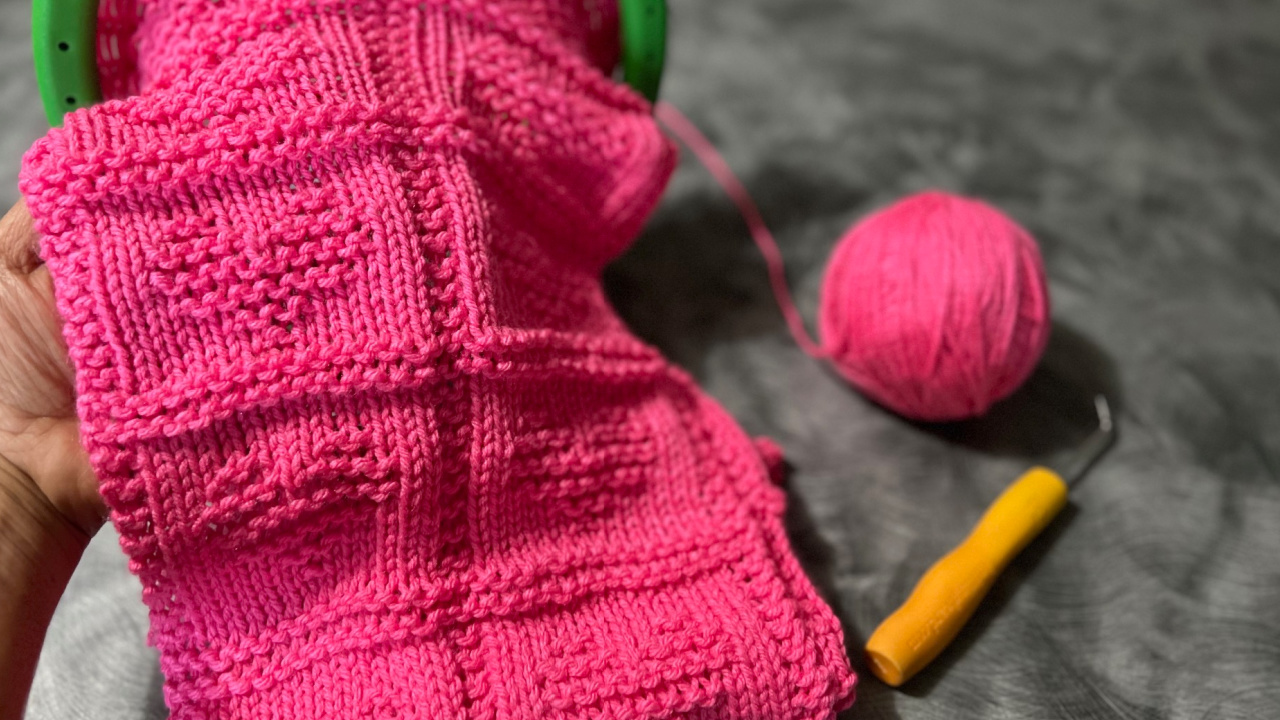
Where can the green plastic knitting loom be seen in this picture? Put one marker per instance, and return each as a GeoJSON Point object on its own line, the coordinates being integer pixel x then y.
{"type": "Point", "coordinates": [64, 37]}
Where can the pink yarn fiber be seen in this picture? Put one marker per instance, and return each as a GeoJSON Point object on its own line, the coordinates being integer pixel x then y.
{"type": "Point", "coordinates": [935, 307]}
{"type": "Point", "coordinates": [373, 439]}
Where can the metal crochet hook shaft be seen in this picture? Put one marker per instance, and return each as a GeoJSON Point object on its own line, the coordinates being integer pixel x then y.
{"type": "Point", "coordinates": [951, 590]}
{"type": "Point", "coordinates": [1078, 464]}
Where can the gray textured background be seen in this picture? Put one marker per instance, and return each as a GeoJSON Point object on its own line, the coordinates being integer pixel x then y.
{"type": "Point", "coordinates": [1140, 142]}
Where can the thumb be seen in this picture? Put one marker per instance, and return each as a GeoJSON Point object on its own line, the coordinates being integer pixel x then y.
{"type": "Point", "coordinates": [19, 240]}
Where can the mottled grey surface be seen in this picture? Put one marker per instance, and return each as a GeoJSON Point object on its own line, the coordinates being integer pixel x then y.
{"type": "Point", "coordinates": [1140, 142]}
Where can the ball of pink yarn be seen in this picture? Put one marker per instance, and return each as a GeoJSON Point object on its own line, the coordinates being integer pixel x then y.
{"type": "Point", "coordinates": [935, 307]}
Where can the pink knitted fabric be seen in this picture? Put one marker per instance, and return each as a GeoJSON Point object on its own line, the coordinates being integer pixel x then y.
{"type": "Point", "coordinates": [372, 437]}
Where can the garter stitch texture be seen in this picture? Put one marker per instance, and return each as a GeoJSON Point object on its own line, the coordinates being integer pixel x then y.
{"type": "Point", "coordinates": [373, 439]}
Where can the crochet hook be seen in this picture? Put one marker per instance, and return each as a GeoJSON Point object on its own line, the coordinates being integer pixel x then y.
{"type": "Point", "coordinates": [947, 595]}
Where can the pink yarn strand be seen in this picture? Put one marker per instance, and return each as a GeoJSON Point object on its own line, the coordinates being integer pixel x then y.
{"type": "Point", "coordinates": [688, 133]}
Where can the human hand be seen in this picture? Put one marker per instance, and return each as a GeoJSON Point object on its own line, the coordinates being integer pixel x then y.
{"type": "Point", "coordinates": [40, 446]}
{"type": "Point", "coordinates": [49, 502]}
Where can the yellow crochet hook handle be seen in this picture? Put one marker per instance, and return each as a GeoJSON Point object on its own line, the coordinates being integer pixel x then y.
{"type": "Point", "coordinates": [951, 590]}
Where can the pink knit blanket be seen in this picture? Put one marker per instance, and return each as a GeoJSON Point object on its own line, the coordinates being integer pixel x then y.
{"type": "Point", "coordinates": [372, 437]}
